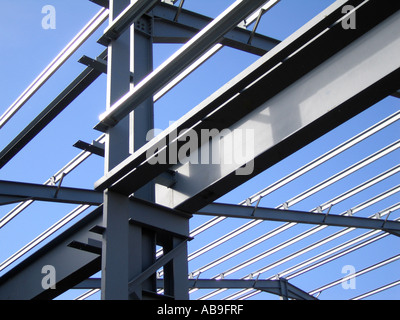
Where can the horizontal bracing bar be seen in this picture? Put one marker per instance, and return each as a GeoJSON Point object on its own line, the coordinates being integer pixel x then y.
{"type": "Point", "coordinates": [247, 212]}
{"type": "Point", "coordinates": [270, 286]}
{"type": "Point", "coordinates": [58, 176]}
{"type": "Point", "coordinates": [30, 191]}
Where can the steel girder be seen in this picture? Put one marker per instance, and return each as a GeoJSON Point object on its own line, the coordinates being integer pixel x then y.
{"type": "Point", "coordinates": [310, 83]}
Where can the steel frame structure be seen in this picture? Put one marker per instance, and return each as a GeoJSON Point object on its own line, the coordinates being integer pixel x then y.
{"type": "Point", "coordinates": [318, 78]}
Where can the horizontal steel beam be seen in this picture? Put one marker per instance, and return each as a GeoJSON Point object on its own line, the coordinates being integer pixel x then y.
{"type": "Point", "coordinates": [270, 286]}
{"type": "Point", "coordinates": [167, 30]}
{"type": "Point", "coordinates": [292, 114]}
{"type": "Point", "coordinates": [30, 191]}
{"type": "Point", "coordinates": [178, 62]}
{"type": "Point", "coordinates": [248, 212]}
{"type": "Point", "coordinates": [281, 52]}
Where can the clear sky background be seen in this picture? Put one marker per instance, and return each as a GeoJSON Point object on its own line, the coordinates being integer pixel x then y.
{"type": "Point", "coordinates": [27, 48]}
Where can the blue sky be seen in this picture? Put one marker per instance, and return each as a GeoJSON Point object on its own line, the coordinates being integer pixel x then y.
{"type": "Point", "coordinates": [27, 49]}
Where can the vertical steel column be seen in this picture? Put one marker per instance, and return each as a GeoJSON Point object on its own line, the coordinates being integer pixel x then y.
{"type": "Point", "coordinates": [127, 250]}
{"type": "Point", "coordinates": [114, 280]}
{"type": "Point", "coordinates": [142, 118]}
{"type": "Point", "coordinates": [142, 243]}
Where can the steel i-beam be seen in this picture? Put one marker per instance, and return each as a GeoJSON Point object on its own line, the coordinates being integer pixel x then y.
{"type": "Point", "coordinates": [307, 94]}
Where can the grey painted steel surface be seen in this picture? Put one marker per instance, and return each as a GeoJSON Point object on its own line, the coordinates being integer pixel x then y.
{"type": "Point", "coordinates": [115, 250]}
{"type": "Point", "coordinates": [136, 245]}
{"type": "Point", "coordinates": [329, 94]}
{"type": "Point", "coordinates": [293, 125]}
